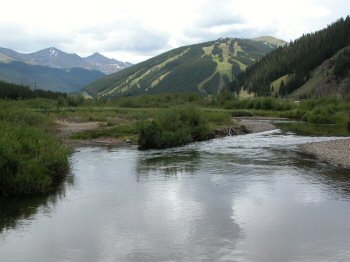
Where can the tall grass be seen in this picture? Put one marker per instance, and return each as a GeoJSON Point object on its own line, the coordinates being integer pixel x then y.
{"type": "Point", "coordinates": [125, 130]}
{"type": "Point", "coordinates": [31, 160]}
{"type": "Point", "coordinates": [327, 110]}
{"type": "Point", "coordinates": [258, 103]}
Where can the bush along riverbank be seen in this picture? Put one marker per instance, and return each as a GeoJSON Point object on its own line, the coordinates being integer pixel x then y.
{"type": "Point", "coordinates": [182, 125]}
{"type": "Point", "coordinates": [32, 159]}
{"type": "Point", "coordinates": [174, 127]}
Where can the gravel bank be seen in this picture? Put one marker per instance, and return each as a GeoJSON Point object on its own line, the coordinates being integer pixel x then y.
{"type": "Point", "coordinates": [256, 125]}
{"type": "Point", "coordinates": [336, 152]}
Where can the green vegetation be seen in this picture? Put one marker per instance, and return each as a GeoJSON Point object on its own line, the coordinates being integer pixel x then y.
{"type": "Point", "coordinates": [120, 131]}
{"type": "Point", "coordinates": [297, 60]}
{"type": "Point", "coordinates": [174, 127]}
{"type": "Point", "coordinates": [258, 103]}
{"type": "Point", "coordinates": [32, 160]}
{"type": "Point", "coordinates": [342, 65]}
{"type": "Point", "coordinates": [204, 68]}
{"type": "Point", "coordinates": [158, 101]}
{"type": "Point", "coordinates": [326, 110]}
{"type": "Point", "coordinates": [13, 91]}
{"type": "Point", "coordinates": [310, 129]}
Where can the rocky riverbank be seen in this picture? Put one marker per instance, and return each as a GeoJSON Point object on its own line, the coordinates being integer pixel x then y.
{"type": "Point", "coordinates": [336, 152]}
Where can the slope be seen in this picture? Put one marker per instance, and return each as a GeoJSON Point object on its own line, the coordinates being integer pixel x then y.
{"type": "Point", "coordinates": [206, 68]}
{"type": "Point", "coordinates": [53, 79]}
{"type": "Point", "coordinates": [295, 62]}
{"type": "Point", "coordinates": [332, 77]}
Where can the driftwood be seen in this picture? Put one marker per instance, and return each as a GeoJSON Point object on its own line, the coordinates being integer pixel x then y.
{"type": "Point", "coordinates": [230, 131]}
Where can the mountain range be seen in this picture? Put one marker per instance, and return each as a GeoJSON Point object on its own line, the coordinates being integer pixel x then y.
{"type": "Point", "coordinates": [316, 64]}
{"type": "Point", "coordinates": [206, 68]}
{"type": "Point", "coordinates": [54, 70]}
{"type": "Point", "coordinates": [55, 58]}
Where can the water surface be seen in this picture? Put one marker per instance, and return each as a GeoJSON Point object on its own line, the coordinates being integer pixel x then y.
{"type": "Point", "coordinates": [243, 198]}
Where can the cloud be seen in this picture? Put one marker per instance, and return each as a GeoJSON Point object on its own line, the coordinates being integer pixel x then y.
{"type": "Point", "coordinates": [135, 30]}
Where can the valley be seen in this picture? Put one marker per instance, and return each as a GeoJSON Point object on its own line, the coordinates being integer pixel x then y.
{"type": "Point", "coordinates": [219, 145]}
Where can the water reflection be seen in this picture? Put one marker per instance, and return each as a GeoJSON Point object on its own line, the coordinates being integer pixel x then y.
{"type": "Point", "coordinates": [17, 212]}
{"type": "Point", "coordinates": [167, 163]}
{"type": "Point", "coordinates": [246, 198]}
{"type": "Point", "coordinates": [294, 216]}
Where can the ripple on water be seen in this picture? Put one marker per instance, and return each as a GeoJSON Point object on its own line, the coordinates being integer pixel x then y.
{"type": "Point", "coordinates": [243, 198]}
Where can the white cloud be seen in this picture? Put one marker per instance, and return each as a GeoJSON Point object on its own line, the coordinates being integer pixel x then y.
{"type": "Point", "coordinates": [135, 29]}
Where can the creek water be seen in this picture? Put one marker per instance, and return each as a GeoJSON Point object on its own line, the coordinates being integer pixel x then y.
{"type": "Point", "coordinates": [244, 198]}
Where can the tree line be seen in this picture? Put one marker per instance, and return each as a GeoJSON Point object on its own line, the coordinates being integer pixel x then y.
{"type": "Point", "coordinates": [297, 60]}
{"type": "Point", "coordinates": [15, 92]}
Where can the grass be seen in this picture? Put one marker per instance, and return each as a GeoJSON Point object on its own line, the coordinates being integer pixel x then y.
{"type": "Point", "coordinates": [277, 83]}
{"type": "Point", "coordinates": [309, 87]}
{"type": "Point", "coordinates": [31, 160]}
{"type": "Point", "coordinates": [119, 131]}
{"type": "Point", "coordinates": [310, 129]}
{"type": "Point", "coordinates": [327, 110]}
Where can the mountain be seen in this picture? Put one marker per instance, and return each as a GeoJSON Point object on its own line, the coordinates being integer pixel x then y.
{"type": "Point", "coordinates": [332, 77]}
{"type": "Point", "coordinates": [55, 70]}
{"type": "Point", "coordinates": [206, 68]}
{"type": "Point", "coordinates": [106, 65]}
{"type": "Point", "coordinates": [316, 63]}
{"type": "Point", "coordinates": [53, 79]}
{"type": "Point", "coordinates": [52, 57]}
{"type": "Point", "coordinates": [270, 40]}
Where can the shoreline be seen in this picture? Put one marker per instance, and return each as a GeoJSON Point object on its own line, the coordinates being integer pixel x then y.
{"type": "Point", "coordinates": [336, 152]}
{"type": "Point", "coordinates": [66, 128]}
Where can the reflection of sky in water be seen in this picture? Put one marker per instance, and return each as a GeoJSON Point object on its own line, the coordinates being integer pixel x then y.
{"type": "Point", "coordinates": [244, 198]}
{"type": "Point", "coordinates": [289, 219]}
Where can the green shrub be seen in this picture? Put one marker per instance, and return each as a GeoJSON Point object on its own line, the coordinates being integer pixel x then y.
{"type": "Point", "coordinates": [31, 160]}
{"type": "Point", "coordinates": [151, 135]}
{"type": "Point", "coordinates": [174, 127]}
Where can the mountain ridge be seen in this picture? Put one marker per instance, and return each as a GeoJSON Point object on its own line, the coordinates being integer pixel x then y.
{"type": "Point", "coordinates": [47, 78]}
{"type": "Point", "coordinates": [204, 67]}
{"type": "Point", "coordinates": [55, 58]}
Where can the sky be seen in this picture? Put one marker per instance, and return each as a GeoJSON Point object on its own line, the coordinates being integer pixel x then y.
{"type": "Point", "coordinates": [135, 30]}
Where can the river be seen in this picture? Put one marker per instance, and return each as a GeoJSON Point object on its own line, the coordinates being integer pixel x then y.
{"type": "Point", "coordinates": [244, 198]}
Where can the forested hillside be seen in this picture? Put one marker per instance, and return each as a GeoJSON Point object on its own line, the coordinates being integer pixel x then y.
{"type": "Point", "coordinates": [15, 92]}
{"type": "Point", "coordinates": [206, 68]}
{"type": "Point", "coordinates": [287, 68]}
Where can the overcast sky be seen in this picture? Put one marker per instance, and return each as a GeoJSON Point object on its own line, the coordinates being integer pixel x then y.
{"type": "Point", "coordinates": [134, 30]}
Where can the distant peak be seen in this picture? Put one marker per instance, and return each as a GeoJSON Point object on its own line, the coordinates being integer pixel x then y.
{"type": "Point", "coordinates": [270, 40]}
{"type": "Point", "coordinates": [53, 51]}
{"type": "Point", "coordinates": [97, 54]}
